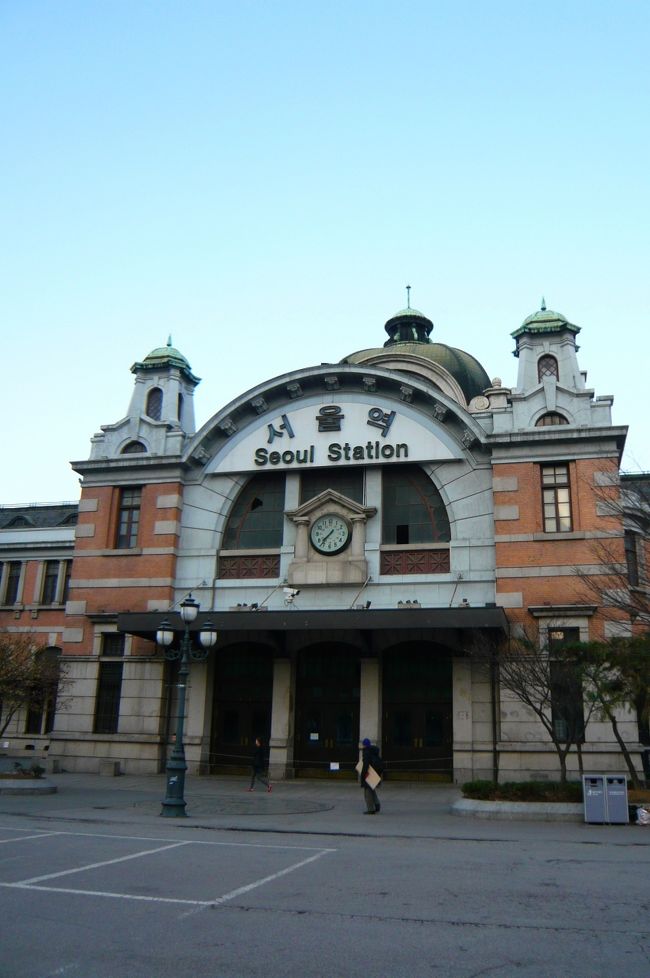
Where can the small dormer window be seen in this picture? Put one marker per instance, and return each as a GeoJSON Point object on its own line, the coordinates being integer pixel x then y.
{"type": "Point", "coordinates": [154, 403]}
{"type": "Point", "coordinates": [133, 448]}
{"type": "Point", "coordinates": [547, 367]}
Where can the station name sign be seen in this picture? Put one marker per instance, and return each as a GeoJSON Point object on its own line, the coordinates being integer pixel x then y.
{"type": "Point", "coordinates": [334, 433]}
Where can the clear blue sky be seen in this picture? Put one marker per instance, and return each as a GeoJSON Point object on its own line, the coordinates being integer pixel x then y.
{"type": "Point", "coordinates": [261, 180]}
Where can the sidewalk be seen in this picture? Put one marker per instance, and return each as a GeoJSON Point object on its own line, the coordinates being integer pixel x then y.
{"type": "Point", "coordinates": [224, 802]}
{"type": "Point", "coordinates": [330, 808]}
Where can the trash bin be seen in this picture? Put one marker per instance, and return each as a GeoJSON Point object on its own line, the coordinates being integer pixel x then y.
{"type": "Point", "coordinates": [593, 796]}
{"type": "Point", "coordinates": [616, 799]}
{"type": "Point", "coordinates": [605, 798]}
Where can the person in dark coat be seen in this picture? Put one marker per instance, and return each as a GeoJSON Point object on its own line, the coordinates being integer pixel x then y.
{"type": "Point", "coordinates": [370, 758]}
{"type": "Point", "coordinates": [260, 764]}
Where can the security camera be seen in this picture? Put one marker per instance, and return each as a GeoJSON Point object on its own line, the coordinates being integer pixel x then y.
{"type": "Point", "coordinates": [291, 592]}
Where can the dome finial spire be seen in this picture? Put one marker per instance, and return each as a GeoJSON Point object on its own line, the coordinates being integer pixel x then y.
{"type": "Point", "coordinates": [408, 296]}
{"type": "Point", "coordinates": [543, 306]}
{"type": "Point", "coordinates": [169, 340]}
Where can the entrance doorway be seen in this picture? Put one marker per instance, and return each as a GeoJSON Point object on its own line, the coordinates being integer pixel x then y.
{"type": "Point", "coordinates": [243, 691]}
{"type": "Point", "coordinates": [417, 729]}
{"type": "Point", "coordinates": [327, 709]}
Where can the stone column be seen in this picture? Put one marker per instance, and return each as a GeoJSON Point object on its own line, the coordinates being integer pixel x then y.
{"type": "Point", "coordinates": [462, 720]}
{"type": "Point", "coordinates": [302, 539]}
{"type": "Point", "coordinates": [281, 743]}
{"type": "Point", "coordinates": [358, 545]}
{"type": "Point", "coordinates": [370, 701]}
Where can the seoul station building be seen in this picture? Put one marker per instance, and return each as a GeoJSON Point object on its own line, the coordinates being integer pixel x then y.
{"type": "Point", "coordinates": [355, 532]}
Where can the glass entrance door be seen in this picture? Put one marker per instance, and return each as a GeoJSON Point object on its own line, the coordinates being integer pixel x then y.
{"type": "Point", "coordinates": [327, 709]}
{"type": "Point", "coordinates": [417, 729]}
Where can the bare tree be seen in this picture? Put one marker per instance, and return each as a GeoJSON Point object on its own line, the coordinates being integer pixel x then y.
{"type": "Point", "coordinates": [620, 583]}
{"type": "Point", "coordinates": [618, 675]}
{"type": "Point", "coordinates": [549, 681]}
{"type": "Point", "coordinates": [29, 674]}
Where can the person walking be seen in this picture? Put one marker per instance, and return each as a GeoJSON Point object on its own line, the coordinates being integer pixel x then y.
{"type": "Point", "coordinates": [260, 765]}
{"type": "Point", "coordinates": [370, 759]}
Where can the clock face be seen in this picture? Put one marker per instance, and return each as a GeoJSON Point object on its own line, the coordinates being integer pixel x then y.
{"type": "Point", "coordinates": [330, 534]}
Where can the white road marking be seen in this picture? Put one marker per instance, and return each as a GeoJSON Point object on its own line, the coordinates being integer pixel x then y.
{"type": "Point", "coordinates": [26, 838]}
{"type": "Point", "coordinates": [32, 884]}
{"type": "Point", "coordinates": [157, 838]}
{"type": "Point", "coordinates": [106, 862]}
{"type": "Point", "coordinates": [269, 879]}
{"type": "Point", "coordinates": [103, 893]}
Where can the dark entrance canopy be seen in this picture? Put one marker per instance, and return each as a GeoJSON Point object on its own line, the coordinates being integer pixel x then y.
{"type": "Point", "coordinates": [446, 626]}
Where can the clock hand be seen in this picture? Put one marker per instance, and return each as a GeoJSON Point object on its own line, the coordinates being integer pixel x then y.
{"type": "Point", "coordinates": [327, 535]}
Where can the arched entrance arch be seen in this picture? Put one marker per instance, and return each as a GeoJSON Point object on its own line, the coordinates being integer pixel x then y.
{"type": "Point", "coordinates": [417, 727]}
{"type": "Point", "coordinates": [242, 701]}
{"type": "Point", "coordinates": [327, 708]}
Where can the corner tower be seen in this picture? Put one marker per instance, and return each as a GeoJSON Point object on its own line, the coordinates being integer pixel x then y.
{"type": "Point", "coordinates": [161, 413]}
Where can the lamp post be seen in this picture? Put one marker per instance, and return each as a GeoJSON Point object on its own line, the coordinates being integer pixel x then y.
{"type": "Point", "coordinates": [173, 805]}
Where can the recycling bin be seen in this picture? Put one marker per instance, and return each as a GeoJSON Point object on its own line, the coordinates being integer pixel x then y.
{"type": "Point", "coordinates": [593, 796]}
{"type": "Point", "coordinates": [605, 798]}
{"type": "Point", "coordinates": [616, 799]}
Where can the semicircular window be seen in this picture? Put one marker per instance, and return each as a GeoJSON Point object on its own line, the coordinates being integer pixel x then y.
{"type": "Point", "coordinates": [133, 448]}
{"type": "Point", "coordinates": [550, 418]}
{"type": "Point", "coordinates": [412, 508]}
{"type": "Point", "coordinates": [257, 518]}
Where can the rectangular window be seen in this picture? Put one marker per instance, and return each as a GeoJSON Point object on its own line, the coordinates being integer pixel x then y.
{"type": "Point", "coordinates": [567, 699]}
{"type": "Point", "coordinates": [556, 498]}
{"type": "Point", "coordinates": [129, 519]}
{"type": "Point", "coordinates": [632, 557]}
{"type": "Point", "coordinates": [34, 720]}
{"type": "Point", "coordinates": [67, 573]}
{"type": "Point", "coordinates": [14, 568]}
{"type": "Point", "coordinates": [112, 643]}
{"type": "Point", "coordinates": [107, 702]}
{"type": "Point", "coordinates": [50, 582]}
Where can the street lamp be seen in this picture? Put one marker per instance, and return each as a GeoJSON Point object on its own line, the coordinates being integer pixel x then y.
{"type": "Point", "coordinates": [173, 805]}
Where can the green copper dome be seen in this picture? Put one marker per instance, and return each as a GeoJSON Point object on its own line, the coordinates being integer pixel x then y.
{"type": "Point", "coordinates": [165, 356]}
{"type": "Point", "coordinates": [408, 332]}
{"type": "Point", "coordinates": [545, 321]}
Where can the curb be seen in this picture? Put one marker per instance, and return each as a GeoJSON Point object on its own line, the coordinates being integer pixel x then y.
{"type": "Point", "coordinates": [531, 810]}
{"type": "Point", "coordinates": [26, 786]}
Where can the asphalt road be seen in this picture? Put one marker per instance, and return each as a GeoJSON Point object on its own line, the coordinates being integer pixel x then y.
{"type": "Point", "coordinates": [144, 897]}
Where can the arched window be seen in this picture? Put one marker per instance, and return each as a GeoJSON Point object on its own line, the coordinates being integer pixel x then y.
{"type": "Point", "coordinates": [550, 418]}
{"type": "Point", "coordinates": [547, 367]}
{"type": "Point", "coordinates": [257, 518]}
{"type": "Point", "coordinates": [133, 448]}
{"type": "Point", "coordinates": [412, 507]}
{"type": "Point", "coordinates": [154, 403]}
{"type": "Point", "coordinates": [179, 409]}
{"type": "Point", "coordinates": [348, 481]}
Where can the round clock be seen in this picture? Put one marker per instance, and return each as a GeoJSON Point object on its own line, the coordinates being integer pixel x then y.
{"type": "Point", "coordinates": [330, 534]}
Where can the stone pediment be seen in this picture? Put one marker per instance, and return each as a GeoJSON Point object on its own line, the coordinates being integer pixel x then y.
{"type": "Point", "coordinates": [329, 497]}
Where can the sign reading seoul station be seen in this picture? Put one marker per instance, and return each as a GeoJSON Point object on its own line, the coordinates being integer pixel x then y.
{"type": "Point", "coordinates": [345, 432]}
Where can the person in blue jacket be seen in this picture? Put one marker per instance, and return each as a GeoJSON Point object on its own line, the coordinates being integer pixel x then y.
{"type": "Point", "coordinates": [370, 758]}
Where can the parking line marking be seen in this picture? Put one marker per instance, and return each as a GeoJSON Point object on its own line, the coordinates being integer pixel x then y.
{"type": "Point", "coordinates": [107, 862]}
{"type": "Point", "coordinates": [26, 838]}
{"type": "Point", "coordinates": [103, 893]}
{"type": "Point", "coordinates": [268, 879]}
{"type": "Point", "coordinates": [215, 901]}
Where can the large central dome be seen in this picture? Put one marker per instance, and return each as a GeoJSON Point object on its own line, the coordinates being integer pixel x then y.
{"type": "Point", "coordinates": [408, 336]}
